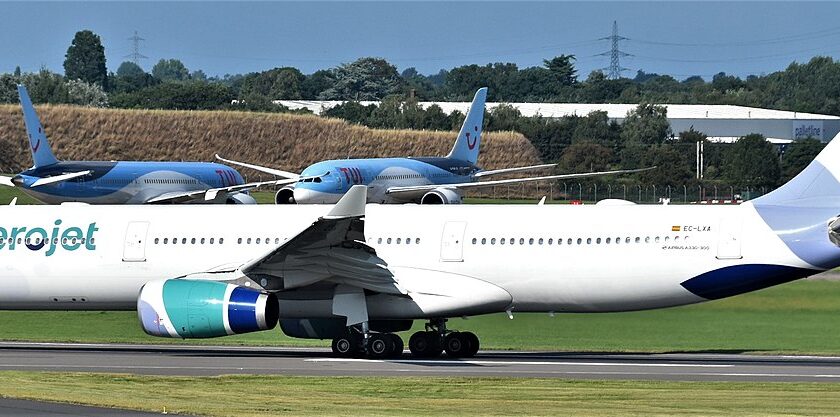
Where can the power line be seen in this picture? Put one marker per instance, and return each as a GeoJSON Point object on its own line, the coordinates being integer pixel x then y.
{"type": "Point", "coordinates": [615, 68]}
{"type": "Point", "coordinates": [135, 55]}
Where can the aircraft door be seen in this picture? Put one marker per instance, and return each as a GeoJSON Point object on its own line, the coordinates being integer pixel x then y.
{"type": "Point", "coordinates": [452, 242]}
{"type": "Point", "coordinates": [729, 238]}
{"type": "Point", "coordinates": [135, 242]}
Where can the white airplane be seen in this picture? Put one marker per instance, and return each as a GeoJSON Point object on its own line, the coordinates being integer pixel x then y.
{"type": "Point", "coordinates": [356, 274]}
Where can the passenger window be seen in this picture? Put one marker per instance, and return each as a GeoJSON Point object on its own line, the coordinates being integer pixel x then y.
{"type": "Point", "coordinates": [389, 240]}
{"type": "Point", "coordinates": [165, 240]}
{"type": "Point", "coordinates": [183, 241]}
{"type": "Point", "coordinates": [638, 239]}
{"type": "Point", "coordinates": [647, 239]}
{"type": "Point", "coordinates": [579, 241]}
{"type": "Point", "coordinates": [174, 240]}
{"type": "Point", "coordinates": [248, 241]}
{"type": "Point", "coordinates": [417, 241]}
{"type": "Point", "coordinates": [408, 241]}
{"type": "Point", "coordinates": [221, 240]}
{"type": "Point", "coordinates": [211, 240]}
{"type": "Point", "coordinates": [676, 239]}
{"type": "Point", "coordinates": [598, 240]}
{"type": "Point", "coordinates": [239, 241]}
{"type": "Point", "coordinates": [399, 240]}
{"type": "Point", "coordinates": [656, 239]}
{"type": "Point", "coordinates": [608, 241]}
{"type": "Point", "coordinates": [258, 241]}
{"type": "Point", "coordinates": [666, 239]}
{"type": "Point", "coordinates": [192, 241]}
{"type": "Point", "coordinates": [379, 241]}
{"type": "Point", "coordinates": [157, 240]}
{"type": "Point", "coordinates": [502, 241]}
{"type": "Point", "coordinates": [550, 241]}
{"type": "Point", "coordinates": [627, 240]}
{"type": "Point", "coordinates": [474, 241]}
{"type": "Point", "coordinates": [531, 241]}
{"type": "Point", "coordinates": [276, 240]}
{"type": "Point", "coordinates": [521, 241]}
{"type": "Point", "coordinates": [493, 241]}
{"type": "Point", "coordinates": [540, 241]}
{"type": "Point", "coordinates": [202, 241]}
{"type": "Point", "coordinates": [484, 241]}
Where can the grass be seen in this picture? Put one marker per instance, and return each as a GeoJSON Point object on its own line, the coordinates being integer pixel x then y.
{"type": "Point", "coordinates": [410, 396]}
{"type": "Point", "coordinates": [795, 318]}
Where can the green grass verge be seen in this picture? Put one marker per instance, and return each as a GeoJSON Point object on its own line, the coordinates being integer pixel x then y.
{"type": "Point", "coordinates": [796, 318]}
{"type": "Point", "coordinates": [410, 396]}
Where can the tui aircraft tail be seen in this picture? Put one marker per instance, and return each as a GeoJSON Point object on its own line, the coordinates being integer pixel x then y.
{"type": "Point", "coordinates": [41, 153]}
{"type": "Point", "coordinates": [469, 138]}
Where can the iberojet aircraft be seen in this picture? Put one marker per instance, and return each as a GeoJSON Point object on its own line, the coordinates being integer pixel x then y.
{"type": "Point", "coordinates": [101, 182]}
{"type": "Point", "coordinates": [356, 274]}
{"type": "Point", "coordinates": [432, 180]}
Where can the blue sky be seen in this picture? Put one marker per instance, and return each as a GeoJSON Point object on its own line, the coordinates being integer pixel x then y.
{"type": "Point", "coordinates": [677, 38]}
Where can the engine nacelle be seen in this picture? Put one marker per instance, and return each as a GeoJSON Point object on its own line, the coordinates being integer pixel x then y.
{"type": "Point", "coordinates": [285, 195]}
{"type": "Point", "coordinates": [240, 198]}
{"type": "Point", "coordinates": [332, 328]}
{"type": "Point", "coordinates": [188, 308]}
{"type": "Point", "coordinates": [441, 196]}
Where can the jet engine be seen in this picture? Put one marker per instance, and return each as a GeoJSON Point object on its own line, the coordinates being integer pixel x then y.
{"type": "Point", "coordinates": [285, 195]}
{"type": "Point", "coordinates": [188, 308]}
{"type": "Point", "coordinates": [240, 198]}
{"type": "Point", "coordinates": [441, 196]}
{"type": "Point", "coordinates": [336, 327]}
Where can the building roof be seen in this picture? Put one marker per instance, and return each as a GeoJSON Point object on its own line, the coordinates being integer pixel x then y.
{"type": "Point", "coordinates": [614, 111]}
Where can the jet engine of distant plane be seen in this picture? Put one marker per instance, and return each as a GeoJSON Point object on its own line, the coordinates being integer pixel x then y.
{"type": "Point", "coordinates": [285, 195]}
{"type": "Point", "coordinates": [240, 198]}
{"type": "Point", "coordinates": [188, 308]}
{"type": "Point", "coordinates": [441, 196]}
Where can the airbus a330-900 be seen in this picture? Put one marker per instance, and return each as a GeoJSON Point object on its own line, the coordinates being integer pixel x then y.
{"type": "Point", "coordinates": [358, 274]}
{"type": "Point", "coordinates": [123, 182]}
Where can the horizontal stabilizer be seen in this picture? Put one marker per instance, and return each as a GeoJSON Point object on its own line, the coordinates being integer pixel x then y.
{"type": "Point", "coordinates": [510, 170]}
{"type": "Point", "coordinates": [58, 178]}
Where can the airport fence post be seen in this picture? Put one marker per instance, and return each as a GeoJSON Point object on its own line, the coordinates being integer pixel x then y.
{"type": "Point", "coordinates": [596, 191]}
{"type": "Point", "coordinates": [731, 192]}
{"type": "Point", "coordinates": [654, 193]}
{"type": "Point", "coordinates": [640, 193]}
{"type": "Point", "coordinates": [625, 191]}
{"type": "Point", "coordinates": [565, 191]}
{"type": "Point", "coordinates": [550, 191]}
{"type": "Point", "coordinates": [609, 191]}
{"type": "Point", "coordinates": [715, 193]}
{"type": "Point", "coordinates": [580, 193]}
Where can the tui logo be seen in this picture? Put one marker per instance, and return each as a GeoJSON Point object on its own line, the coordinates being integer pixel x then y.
{"type": "Point", "coordinates": [471, 144]}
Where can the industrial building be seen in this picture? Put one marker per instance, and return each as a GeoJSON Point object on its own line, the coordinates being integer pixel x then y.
{"type": "Point", "coordinates": [721, 123]}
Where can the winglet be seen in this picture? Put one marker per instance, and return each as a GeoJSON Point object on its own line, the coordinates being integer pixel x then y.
{"type": "Point", "coordinates": [41, 153]}
{"type": "Point", "coordinates": [14, 202]}
{"type": "Point", "coordinates": [352, 204]}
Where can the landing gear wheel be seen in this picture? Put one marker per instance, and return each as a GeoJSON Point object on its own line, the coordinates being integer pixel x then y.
{"type": "Point", "coordinates": [379, 345]}
{"type": "Point", "coordinates": [474, 343]}
{"type": "Point", "coordinates": [457, 345]}
{"type": "Point", "coordinates": [425, 344]}
{"type": "Point", "coordinates": [397, 344]}
{"type": "Point", "coordinates": [345, 345]}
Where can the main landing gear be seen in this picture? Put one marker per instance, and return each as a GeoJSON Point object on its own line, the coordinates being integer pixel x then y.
{"type": "Point", "coordinates": [437, 339]}
{"type": "Point", "coordinates": [426, 344]}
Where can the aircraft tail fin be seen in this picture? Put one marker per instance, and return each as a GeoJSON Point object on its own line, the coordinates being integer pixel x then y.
{"type": "Point", "coordinates": [469, 138]}
{"type": "Point", "coordinates": [41, 153]}
{"type": "Point", "coordinates": [818, 185]}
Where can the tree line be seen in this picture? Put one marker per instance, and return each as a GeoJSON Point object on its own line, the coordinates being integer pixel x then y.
{"type": "Point", "coordinates": [578, 143]}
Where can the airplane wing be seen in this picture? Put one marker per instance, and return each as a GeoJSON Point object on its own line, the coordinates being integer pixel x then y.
{"type": "Point", "coordinates": [509, 170]}
{"type": "Point", "coordinates": [332, 249]}
{"type": "Point", "coordinates": [7, 181]}
{"type": "Point", "coordinates": [210, 194]}
{"type": "Point", "coordinates": [272, 171]}
{"type": "Point", "coordinates": [467, 185]}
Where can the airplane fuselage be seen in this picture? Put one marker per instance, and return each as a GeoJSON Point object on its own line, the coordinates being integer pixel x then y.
{"type": "Point", "coordinates": [379, 174]}
{"type": "Point", "coordinates": [125, 182]}
{"type": "Point", "coordinates": [491, 258]}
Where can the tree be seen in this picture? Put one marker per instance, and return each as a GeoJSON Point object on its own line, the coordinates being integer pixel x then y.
{"type": "Point", "coordinates": [563, 69]}
{"type": "Point", "coordinates": [585, 157]}
{"type": "Point", "coordinates": [129, 69]}
{"type": "Point", "coordinates": [317, 83]}
{"type": "Point", "coordinates": [170, 70]}
{"type": "Point", "coordinates": [85, 59]}
{"type": "Point", "coordinates": [84, 94]}
{"type": "Point", "coordinates": [752, 162]}
{"type": "Point", "coordinates": [647, 124]}
{"type": "Point", "coordinates": [17, 71]}
{"type": "Point", "coordinates": [503, 117]}
{"type": "Point", "coordinates": [276, 84]}
{"type": "Point", "coordinates": [798, 155]}
{"type": "Point", "coordinates": [178, 96]}
{"type": "Point", "coordinates": [363, 79]}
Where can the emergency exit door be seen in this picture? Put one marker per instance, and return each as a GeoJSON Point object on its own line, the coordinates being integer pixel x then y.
{"type": "Point", "coordinates": [135, 242]}
{"type": "Point", "coordinates": [729, 238]}
{"type": "Point", "coordinates": [452, 242]}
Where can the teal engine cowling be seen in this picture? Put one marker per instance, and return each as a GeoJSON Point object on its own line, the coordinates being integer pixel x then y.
{"type": "Point", "coordinates": [187, 308]}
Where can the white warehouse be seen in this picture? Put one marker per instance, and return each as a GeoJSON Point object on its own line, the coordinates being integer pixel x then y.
{"type": "Point", "coordinates": [723, 123]}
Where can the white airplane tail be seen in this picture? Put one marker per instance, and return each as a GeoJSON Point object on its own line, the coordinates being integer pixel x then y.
{"type": "Point", "coordinates": [469, 138]}
{"type": "Point", "coordinates": [818, 185]}
{"type": "Point", "coordinates": [41, 153]}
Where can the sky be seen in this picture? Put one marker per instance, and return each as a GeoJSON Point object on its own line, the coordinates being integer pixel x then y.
{"type": "Point", "coordinates": [676, 38]}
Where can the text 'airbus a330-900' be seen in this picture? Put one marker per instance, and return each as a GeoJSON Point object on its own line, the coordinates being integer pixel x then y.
{"type": "Point", "coordinates": [124, 182]}
{"type": "Point", "coordinates": [430, 180]}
